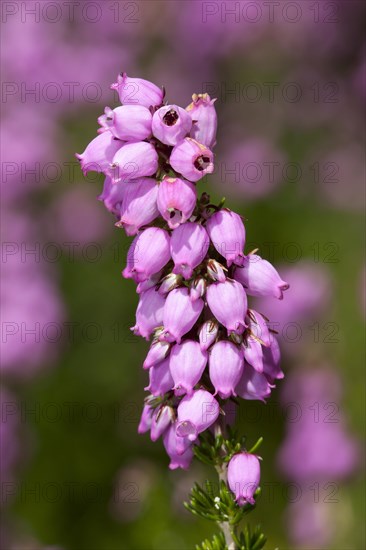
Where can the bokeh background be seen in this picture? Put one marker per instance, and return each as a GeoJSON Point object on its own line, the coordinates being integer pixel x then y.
{"type": "Point", "coordinates": [289, 78]}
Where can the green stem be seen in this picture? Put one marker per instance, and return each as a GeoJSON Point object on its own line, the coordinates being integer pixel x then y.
{"type": "Point", "coordinates": [225, 526]}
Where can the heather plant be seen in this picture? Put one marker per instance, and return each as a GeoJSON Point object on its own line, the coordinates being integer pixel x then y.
{"type": "Point", "coordinates": [208, 349]}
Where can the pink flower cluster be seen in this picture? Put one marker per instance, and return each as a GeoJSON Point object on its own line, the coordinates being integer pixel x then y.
{"type": "Point", "coordinates": [188, 262]}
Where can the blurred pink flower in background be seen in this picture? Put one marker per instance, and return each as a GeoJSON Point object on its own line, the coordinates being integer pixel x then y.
{"type": "Point", "coordinates": [252, 169]}
{"type": "Point", "coordinates": [317, 453]}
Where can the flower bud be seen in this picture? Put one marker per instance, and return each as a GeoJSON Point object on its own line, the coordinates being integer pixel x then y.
{"type": "Point", "coordinates": [161, 420]}
{"type": "Point", "coordinates": [128, 123]}
{"type": "Point", "coordinates": [137, 91]}
{"type": "Point", "coordinates": [188, 245]}
{"type": "Point", "coordinates": [204, 117]}
{"type": "Point", "coordinates": [198, 288]}
{"type": "Point", "coordinates": [138, 205]}
{"type": "Point", "coordinates": [192, 159]}
{"type": "Point", "coordinates": [133, 161]}
{"type": "Point", "coordinates": [216, 271]}
{"type": "Point", "coordinates": [176, 200]}
{"type": "Point", "coordinates": [99, 154]}
{"type": "Point", "coordinates": [170, 124]}
{"type": "Point", "coordinates": [228, 303]}
{"type": "Point", "coordinates": [253, 353]}
{"type": "Point", "coordinates": [187, 363]}
{"type": "Point", "coordinates": [225, 367]}
{"type": "Point", "coordinates": [208, 333]}
{"type": "Point", "coordinates": [149, 313]}
{"type": "Point", "coordinates": [196, 413]}
{"type": "Point", "coordinates": [179, 449]}
{"type": "Point", "coordinates": [180, 314]}
{"type": "Point", "coordinates": [160, 379]}
{"type": "Point", "coordinates": [258, 327]}
{"type": "Point", "coordinates": [253, 385]}
{"type": "Point", "coordinates": [227, 233]}
{"type": "Point", "coordinates": [156, 354]}
{"type": "Point", "coordinates": [170, 282]}
{"type": "Point", "coordinates": [148, 253]}
{"type": "Point", "coordinates": [145, 420]}
{"type": "Point", "coordinates": [243, 476]}
{"type": "Point", "coordinates": [260, 278]}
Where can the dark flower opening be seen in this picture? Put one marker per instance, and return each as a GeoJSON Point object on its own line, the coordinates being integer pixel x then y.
{"type": "Point", "coordinates": [170, 118]}
{"type": "Point", "coordinates": [202, 162]}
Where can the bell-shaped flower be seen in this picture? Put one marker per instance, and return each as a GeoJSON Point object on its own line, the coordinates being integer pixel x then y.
{"type": "Point", "coordinates": [203, 113]}
{"type": "Point", "coordinates": [253, 385]}
{"type": "Point", "coordinates": [228, 303]}
{"type": "Point", "coordinates": [208, 333]}
{"type": "Point", "coordinates": [139, 205]}
{"type": "Point", "coordinates": [134, 160]}
{"type": "Point", "coordinates": [112, 195]}
{"type": "Point", "coordinates": [260, 278]}
{"type": "Point", "coordinates": [176, 200]}
{"type": "Point", "coordinates": [156, 354]}
{"type": "Point", "coordinates": [170, 124]}
{"type": "Point", "coordinates": [225, 367]}
{"type": "Point", "coordinates": [192, 159]}
{"type": "Point", "coordinates": [149, 313]}
{"type": "Point", "coordinates": [99, 154]}
{"type": "Point", "coordinates": [146, 419]}
{"type": "Point", "coordinates": [179, 450]}
{"type": "Point", "coordinates": [188, 246]}
{"type": "Point", "coordinates": [227, 233]}
{"type": "Point", "coordinates": [253, 353]}
{"type": "Point", "coordinates": [271, 361]}
{"type": "Point", "coordinates": [180, 314]}
{"type": "Point", "coordinates": [137, 91]}
{"type": "Point", "coordinates": [128, 123]}
{"type": "Point", "coordinates": [148, 253]}
{"type": "Point", "coordinates": [198, 288]}
{"type": "Point", "coordinates": [160, 379]}
{"type": "Point", "coordinates": [243, 477]}
{"type": "Point", "coordinates": [187, 363]}
{"type": "Point", "coordinates": [196, 413]}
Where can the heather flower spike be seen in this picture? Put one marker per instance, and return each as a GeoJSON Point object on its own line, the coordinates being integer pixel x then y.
{"type": "Point", "coordinates": [208, 349]}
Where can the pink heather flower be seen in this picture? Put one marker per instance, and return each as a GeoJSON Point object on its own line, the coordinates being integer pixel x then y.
{"type": "Point", "coordinates": [180, 314]}
{"type": "Point", "coordinates": [99, 154]}
{"type": "Point", "coordinates": [156, 354]}
{"type": "Point", "coordinates": [170, 124]}
{"type": "Point", "coordinates": [149, 283]}
{"type": "Point", "coordinates": [160, 379]}
{"type": "Point", "coordinates": [253, 385]}
{"type": "Point", "coordinates": [137, 91]}
{"type": "Point", "coordinates": [179, 449]}
{"type": "Point", "coordinates": [133, 161]}
{"type": "Point", "coordinates": [112, 195]}
{"type": "Point", "coordinates": [128, 123]}
{"type": "Point", "coordinates": [139, 205]}
{"type": "Point", "coordinates": [271, 361]}
{"type": "Point", "coordinates": [176, 200]}
{"type": "Point", "coordinates": [149, 313]}
{"type": "Point", "coordinates": [196, 413]}
{"type": "Point", "coordinates": [204, 117]}
{"type": "Point", "coordinates": [148, 253]}
{"type": "Point", "coordinates": [161, 419]}
{"type": "Point", "coordinates": [227, 233]}
{"type": "Point", "coordinates": [192, 159]}
{"type": "Point", "coordinates": [225, 367]}
{"type": "Point", "coordinates": [187, 363]}
{"type": "Point", "coordinates": [228, 303]}
{"type": "Point", "coordinates": [243, 476]}
{"type": "Point", "coordinates": [253, 353]}
{"type": "Point", "coordinates": [208, 333]}
{"type": "Point", "coordinates": [260, 278]}
{"type": "Point", "coordinates": [188, 245]}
